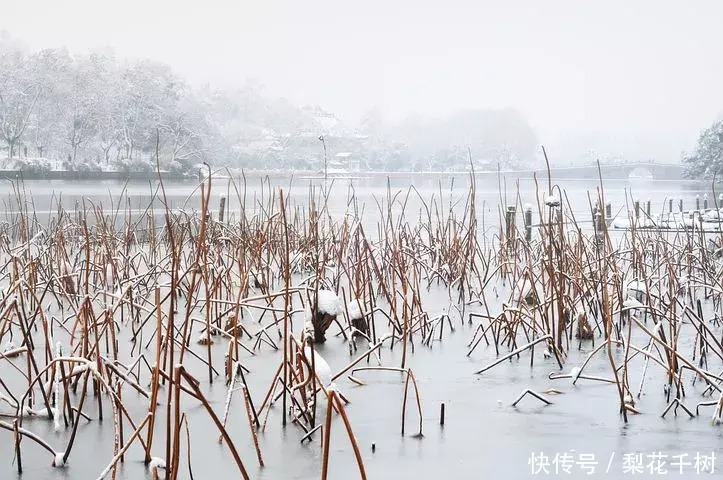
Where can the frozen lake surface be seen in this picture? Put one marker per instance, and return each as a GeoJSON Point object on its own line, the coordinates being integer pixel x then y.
{"type": "Point", "coordinates": [483, 436]}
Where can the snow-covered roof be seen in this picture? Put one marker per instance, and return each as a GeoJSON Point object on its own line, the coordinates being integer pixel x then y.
{"type": "Point", "coordinates": [344, 154]}
{"type": "Point", "coordinates": [325, 123]}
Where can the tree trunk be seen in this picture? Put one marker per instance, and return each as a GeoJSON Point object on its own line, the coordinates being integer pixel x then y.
{"type": "Point", "coordinates": [74, 144]}
{"type": "Point", "coordinates": [106, 154]}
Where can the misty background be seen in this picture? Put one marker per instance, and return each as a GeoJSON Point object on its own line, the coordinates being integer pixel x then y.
{"type": "Point", "coordinates": [401, 85]}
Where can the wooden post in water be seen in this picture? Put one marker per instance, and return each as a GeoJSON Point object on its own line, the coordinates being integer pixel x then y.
{"type": "Point", "coordinates": [595, 212]}
{"type": "Point", "coordinates": [647, 208]}
{"type": "Point", "coordinates": [670, 205]}
{"type": "Point", "coordinates": [637, 209]}
{"type": "Point", "coordinates": [221, 208]}
{"type": "Point", "coordinates": [599, 223]}
{"type": "Point", "coordinates": [510, 222]}
{"type": "Point", "coordinates": [697, 202]}
{"type": "Point", "coordinates": [528, 224]}
{"type": "Point", "coordinates": [705, 201]}
{"type": "Point", "coordinates": [608, 210]}
{"type": "Point", "coordinates": [720, 200]}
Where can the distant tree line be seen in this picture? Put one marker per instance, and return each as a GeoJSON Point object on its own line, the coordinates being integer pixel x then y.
{"type": "Point", "coordinates": [96, 112]}
{"type": "Point", "coordinates": [92, 111]}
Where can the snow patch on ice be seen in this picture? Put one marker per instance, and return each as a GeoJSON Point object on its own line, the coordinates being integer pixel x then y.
{"type": "Point", "coordinates": [157, 462]}
{"type": "Point", "coordinates": [322, 369]}
{"type": "Point", "coordinates": [308, 330]}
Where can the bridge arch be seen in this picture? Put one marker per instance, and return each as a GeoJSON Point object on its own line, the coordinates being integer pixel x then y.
{"type": "Point", "coordinates": [641, 172]}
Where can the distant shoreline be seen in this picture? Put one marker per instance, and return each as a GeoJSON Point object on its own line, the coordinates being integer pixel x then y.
{"type": "Point", "coordinates": [558, 173]}
{"type": "Point", "coordinates": [89, 175]}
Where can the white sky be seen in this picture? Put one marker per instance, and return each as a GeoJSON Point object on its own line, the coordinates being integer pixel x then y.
{"type": "Point", "coordinates": [629, 68]}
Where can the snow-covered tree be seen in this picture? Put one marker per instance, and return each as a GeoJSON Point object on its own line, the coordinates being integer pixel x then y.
{"type": "Point", "coordinates": [81, 106]}
{"type": "Point", "coordinates": [19, 93]}
{"type": "Point", "coordinates": [707, 159]}
{"type": "Point", "coordinates": [44, 133]}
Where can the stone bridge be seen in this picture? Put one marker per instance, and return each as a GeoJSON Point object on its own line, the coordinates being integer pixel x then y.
{"type": "Point", "coordinates": [623, 171]}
